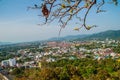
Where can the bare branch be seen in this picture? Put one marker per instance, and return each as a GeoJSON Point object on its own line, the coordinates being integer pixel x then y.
{"type": "Point", "coordinates": [64, 10]}
{"type": "Point", "coordinates": [99, 6]}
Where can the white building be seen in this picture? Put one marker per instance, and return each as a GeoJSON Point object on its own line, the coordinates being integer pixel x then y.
{"type": "Point", "coordinates": [9, 62]}
{"type": "Point", "coordinates": [12, 62]}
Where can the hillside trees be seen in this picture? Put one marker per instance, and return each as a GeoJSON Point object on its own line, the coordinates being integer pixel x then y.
{"type": "Point", "coordinates": [81, 69]}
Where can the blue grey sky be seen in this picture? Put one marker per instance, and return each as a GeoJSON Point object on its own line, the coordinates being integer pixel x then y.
{"type": "Point", "coordinates": [19, 25]}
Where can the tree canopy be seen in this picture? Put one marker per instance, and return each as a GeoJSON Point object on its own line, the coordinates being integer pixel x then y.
{"type": "Point", "coordinates": [65, 10]}
{"type": "Point", "coordinates": [79, 69]}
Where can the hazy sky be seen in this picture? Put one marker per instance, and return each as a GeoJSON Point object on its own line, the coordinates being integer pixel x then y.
{"type": "Point", "coordinates": [19, 25]}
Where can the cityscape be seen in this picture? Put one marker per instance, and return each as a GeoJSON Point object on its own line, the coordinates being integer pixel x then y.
{"type": "Point", "coordinates": [46, 54]}
{"type": "Point", "coordinates": [59, 40]}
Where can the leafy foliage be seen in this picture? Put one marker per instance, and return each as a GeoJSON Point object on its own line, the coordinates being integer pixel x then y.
{"type": "Point", "coordinates": [79, 69]}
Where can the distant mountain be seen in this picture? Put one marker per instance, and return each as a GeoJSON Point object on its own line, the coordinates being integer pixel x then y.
{"type": "Point", "coordinates": [70, 37]}
{"type": "Point", "coordinates": [111, 34]}
{"type": "Point", "coordinates": [5, 43]}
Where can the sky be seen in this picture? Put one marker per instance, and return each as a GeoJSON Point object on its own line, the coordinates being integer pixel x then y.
{"type": "Point", "coordinates": [19, 25]}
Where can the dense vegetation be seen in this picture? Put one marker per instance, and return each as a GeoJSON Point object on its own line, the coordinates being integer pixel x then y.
{"type": "Point", "coordinates": [79, 69]}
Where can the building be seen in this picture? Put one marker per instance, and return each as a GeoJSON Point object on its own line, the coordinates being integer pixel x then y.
{"type": "Point", "coordinates": [5, 63]}
{"type": "Point", "coordinates": [9, 62]}
{"type": "Point", "coordinates": [12, 62]}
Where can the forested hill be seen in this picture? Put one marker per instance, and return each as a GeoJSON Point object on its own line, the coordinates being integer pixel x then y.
{"type": "Point", "coordinates": [111, 34]}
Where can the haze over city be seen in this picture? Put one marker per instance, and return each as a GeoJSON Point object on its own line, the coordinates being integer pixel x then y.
{"type": "Point", "coordinates": [19, 25]}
